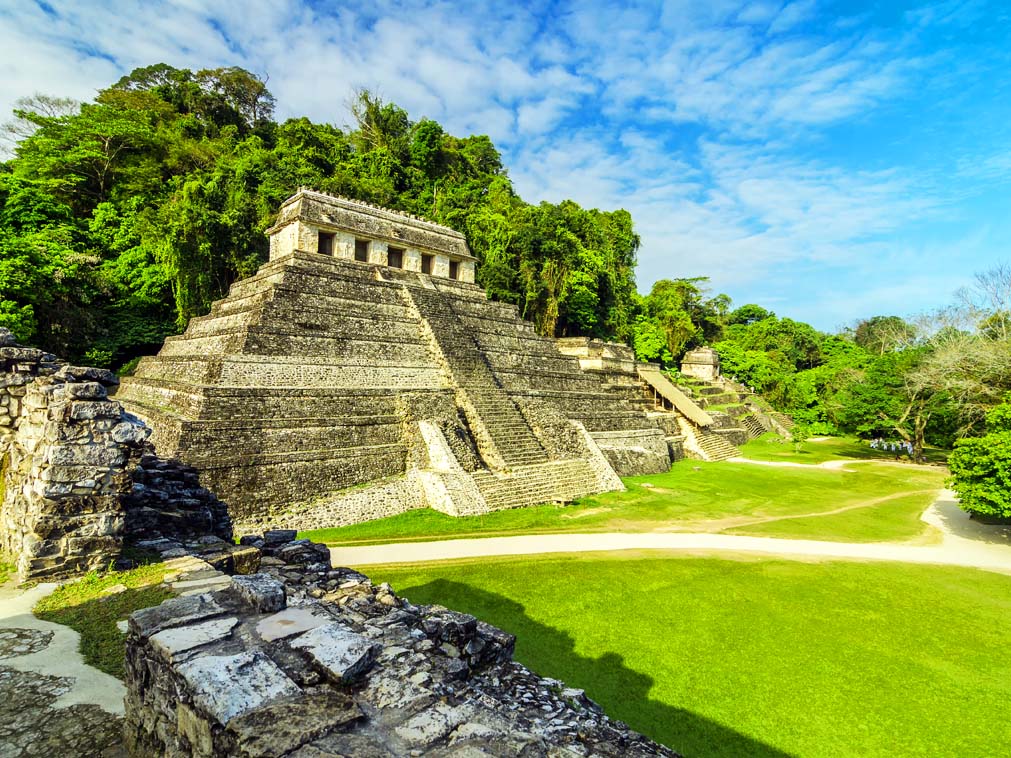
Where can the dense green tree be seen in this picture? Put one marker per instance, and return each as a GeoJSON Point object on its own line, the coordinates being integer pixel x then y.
{"type": "Point", "coordinates": [981, 467]}
{"type": "Point", "coordinates": [142, 207]}
{"type": "Point", "coordinates": [748, 314]}
{"type": "Point", "coordinates": [883, 333]}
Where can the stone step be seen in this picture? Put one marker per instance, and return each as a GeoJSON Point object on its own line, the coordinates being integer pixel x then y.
{"type": "Point", "coordinates": [753, 426]}
{"type": "Point", "coordinates": [536, 484]}
{"type": "Point", "coordinates": [784, 420]}
{"type": "Point", "coordinates": [715, 446]}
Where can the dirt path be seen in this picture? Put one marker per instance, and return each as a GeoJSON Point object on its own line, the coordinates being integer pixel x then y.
{"type": "Point", "coordinates": [751, 521]}
{"type": "Point", "coordinates": [964, 543]}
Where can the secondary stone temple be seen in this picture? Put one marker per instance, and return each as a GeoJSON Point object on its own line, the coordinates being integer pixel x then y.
{"type": "Point", "coordinates": [361, 372]}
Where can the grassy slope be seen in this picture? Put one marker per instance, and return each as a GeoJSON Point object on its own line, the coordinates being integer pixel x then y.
{"type": "Point", "coordinates": [756, 657]}
{"type": "Point", "coordinates": [771, 447]}
{"type": "Point", "coordinates": [696, 496]}
{"type": "Point", "coordinates": [85, 607]}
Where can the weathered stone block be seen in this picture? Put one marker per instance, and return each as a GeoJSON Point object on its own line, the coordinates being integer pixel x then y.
{"type": "Point", "coordinates": [226, 686]}
{"type": "Point", "coordinates": [196, 730]}
{"type": "Point", "coordinates": [87, 374]}
{"type": "Point", "coordinates": [289, 622]}
{"type": "Point", "coordinates": [99, 456]}
{"type": "Point", "coordinates": [279, 728]}
{"type": "Point", "coordinates": [341, 653]}
{"type": "Point", "coordinates": [274, 537]}
{"type": "Point", "coordinates": [131, 432]}
{"type": "Point", "coordinates": [261, 592]}
{"type": "Point", "coordinates": [172, 613]}
{"type": "Point", "coordinates": [87, 391]}
{"type": "Point", "coordinates": [94, 409]}
{"type": "Point", "coordinates": [175, 642]}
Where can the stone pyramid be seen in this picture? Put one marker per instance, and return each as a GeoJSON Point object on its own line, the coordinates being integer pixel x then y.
{"type": "Point", "coordinates": [361, 373]}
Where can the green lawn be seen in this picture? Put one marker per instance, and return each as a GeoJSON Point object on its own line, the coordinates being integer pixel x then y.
{"type": "Point", "coordinates": [696, 496]}
{"type": "Point", "coordinates": [895, 519]}
{"type": "Point", "coordinates": [772, 447]}
{"type": "Point", "coordinates": [752, 657]}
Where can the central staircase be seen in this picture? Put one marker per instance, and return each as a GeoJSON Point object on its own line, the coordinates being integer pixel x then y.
{"type": "Point", "coordinates": [501, 432]}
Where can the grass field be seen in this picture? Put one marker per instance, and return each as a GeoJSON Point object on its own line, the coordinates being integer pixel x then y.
{"type": "Point", "coordinates": [771, 447]}
{"type": "Point", "coordinates": [886, 500]}
{"type": "Point", "coordinates": [756, 657]}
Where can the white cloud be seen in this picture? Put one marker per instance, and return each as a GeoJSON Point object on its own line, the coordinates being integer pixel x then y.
{"type": "Point", "coordinates": [697, 117]}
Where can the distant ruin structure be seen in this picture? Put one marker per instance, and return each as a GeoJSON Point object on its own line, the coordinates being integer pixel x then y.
{"type": "Point", "coordinates": [684, 410]}
{"type": "Point", "coordinates": [701, 363]}
{"type": "Point", "coordinates": [361, 372]}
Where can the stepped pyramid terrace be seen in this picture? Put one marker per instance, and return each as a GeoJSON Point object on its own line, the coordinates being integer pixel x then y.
{"type": "Point", "coordinates": [361, 372]}
{"type": "Point", "coordinates": [704, 416]}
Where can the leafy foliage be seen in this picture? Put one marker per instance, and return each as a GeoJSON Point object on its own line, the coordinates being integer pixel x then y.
{"type": "Point", "coordinates": [123, 218]}
{"type": "Point", "coordinates": [981, 467]}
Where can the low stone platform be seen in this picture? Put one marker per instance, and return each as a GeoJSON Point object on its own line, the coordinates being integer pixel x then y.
{"type": "Point", "coordinates": [305, 660]}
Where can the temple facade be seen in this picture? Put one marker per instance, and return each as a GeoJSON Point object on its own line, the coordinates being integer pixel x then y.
{"type": "Point", "coordinates": [361, 372]}
{"type": "Point", "coordinates": [355, 231]}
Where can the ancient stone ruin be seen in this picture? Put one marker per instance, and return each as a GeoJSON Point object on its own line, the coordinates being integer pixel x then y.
{"type": "Point", "coordinates": [361, 373]}
{"type": "Point", "coordinates": [77, 477]}
{"type": "Point", "coordinates": [305, 660]}
{"type": "Point", "coordinates": [268, 650]}
{"type": "Point", "coordinates": [692, 426]}
{"type": "Point", "coordinates": [701, 363]}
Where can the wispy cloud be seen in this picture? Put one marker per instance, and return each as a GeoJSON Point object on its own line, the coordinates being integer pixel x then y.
{"type": "Point", "coordinates": [706, 120]}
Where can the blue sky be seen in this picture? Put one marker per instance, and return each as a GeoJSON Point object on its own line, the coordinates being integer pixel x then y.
{"type": "Point", "coordinates": [829, 160]}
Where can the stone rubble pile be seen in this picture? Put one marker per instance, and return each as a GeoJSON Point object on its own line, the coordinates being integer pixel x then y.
{"type": "Point", "coordinates": [166, 501]}
{"type": "Point", "coordinates": [77, 477]}
{"type": "Point", "coordinates": [302, 659]}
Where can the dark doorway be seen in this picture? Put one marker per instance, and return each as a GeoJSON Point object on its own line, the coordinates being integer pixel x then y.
{"type": "Point", "coordinates": [325, 244]}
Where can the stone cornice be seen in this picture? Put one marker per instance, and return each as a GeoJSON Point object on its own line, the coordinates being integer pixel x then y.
{"type": "Point", "coordinates": [334, 213]}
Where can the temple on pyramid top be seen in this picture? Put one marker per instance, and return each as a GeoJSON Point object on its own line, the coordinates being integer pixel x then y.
{"type": "Point", "coordinates": [353, 230]}
{"type": "Point", "coordinates": [362, 372]}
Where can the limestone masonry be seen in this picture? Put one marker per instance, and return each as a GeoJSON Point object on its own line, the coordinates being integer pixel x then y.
{"type": "Point", "coordinates": [77, 477]}
{"type": "Point", "coordinates": [361, 373]}
{"type": "Point", "coordinates": [308, 661]}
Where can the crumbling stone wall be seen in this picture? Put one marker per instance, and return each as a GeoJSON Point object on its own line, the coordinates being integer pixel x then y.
{"type": "Point", "coordinates": [68, 452]}
{"type": "Point", "coordinates": [76, 474]}
{"type": "Point", "coordinates": [302, 659]}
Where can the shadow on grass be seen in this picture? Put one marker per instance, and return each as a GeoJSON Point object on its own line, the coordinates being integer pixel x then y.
{"type": "Point", "coordinates": [621, 691]}
{"type": "Point", "coordinates": [959, 523]}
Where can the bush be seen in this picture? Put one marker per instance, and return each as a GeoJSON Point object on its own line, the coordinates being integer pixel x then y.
{"type": "Point", "coordinates": [823, 429]}
{"type": "Point", "coordinates": [128, 368]}
{"type": "Point", "coordinates": [98, 358]}
{"type": "Point", "coordinates": [981, 474]}
{"type": "Point", "coordinates": [981, 467]}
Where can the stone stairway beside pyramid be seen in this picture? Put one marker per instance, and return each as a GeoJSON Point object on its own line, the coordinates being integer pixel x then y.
{"type": "Point", "coordinates": [705, 416]}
